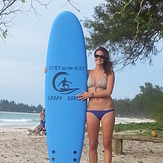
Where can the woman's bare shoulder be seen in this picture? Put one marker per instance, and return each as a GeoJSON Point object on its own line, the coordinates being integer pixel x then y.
{"type": "Point", "coordinates": [89, 72]}
{"type": "Point", "coordinates": [111, 73]}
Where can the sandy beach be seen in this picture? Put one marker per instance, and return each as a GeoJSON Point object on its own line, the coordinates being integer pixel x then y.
{"type": "Point", "coordinates": [17, 146]}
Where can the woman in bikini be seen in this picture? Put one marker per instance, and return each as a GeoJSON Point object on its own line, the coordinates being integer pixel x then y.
{"type": "Point", "coordinates": [100, 107]}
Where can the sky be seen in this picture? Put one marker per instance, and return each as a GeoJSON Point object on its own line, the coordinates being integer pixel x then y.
{"type": "Point", "coordinates": [23, 57]}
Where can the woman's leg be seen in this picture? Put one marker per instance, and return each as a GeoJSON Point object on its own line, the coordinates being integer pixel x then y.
{"type": "Point", "coordinates": [93, 124]}
{"type": "Point", "coordinates": [107, 124]}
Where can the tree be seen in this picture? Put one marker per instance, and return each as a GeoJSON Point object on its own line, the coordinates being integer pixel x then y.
{"type": "Point", "coordinates": [130, 29]}
{"type": "Point", "coordinates": [9, 9]}
{"type": "Point", "coordinates": [150, 101]}
{"type": "Point", "coordinates": [148, 89]}
{"type": "Point", "coordinates": [11, 106]}
{"type": "Point", "coordinates": [147, 104]}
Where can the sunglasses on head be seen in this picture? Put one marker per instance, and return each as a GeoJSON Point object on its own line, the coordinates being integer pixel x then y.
{"type": "Point", "coordinates": [101, 56]}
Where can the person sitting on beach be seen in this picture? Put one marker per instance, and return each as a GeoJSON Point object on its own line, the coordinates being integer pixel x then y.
{"type": "Point", "coordinates": [100, 108]}
{"type": "Point", "coordinates": [42, 120]}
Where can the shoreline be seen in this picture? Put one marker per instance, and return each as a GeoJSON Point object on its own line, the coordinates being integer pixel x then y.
{"type": "Point", "coordinates": [132, 120]}
{"type": "Point", "coordinates": [12, 128]}
{"type": "Point", "coordinates": [118, 120]}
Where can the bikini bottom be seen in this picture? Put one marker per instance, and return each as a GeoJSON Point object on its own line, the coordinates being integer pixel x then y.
{"type": "Point", "coordinates": [100, 113]}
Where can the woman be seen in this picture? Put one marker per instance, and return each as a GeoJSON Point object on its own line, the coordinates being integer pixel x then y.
{"type": "Point", "coordinates": [100, 107]}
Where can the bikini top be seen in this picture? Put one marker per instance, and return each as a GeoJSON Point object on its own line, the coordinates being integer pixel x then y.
{"type": "Point", "coordinates": [102, 83]}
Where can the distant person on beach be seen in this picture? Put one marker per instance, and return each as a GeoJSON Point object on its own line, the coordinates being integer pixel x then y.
{"type": "Point", "coordinates": [42, 120]}
{"type": "Point", "coordinates": [100, 108]}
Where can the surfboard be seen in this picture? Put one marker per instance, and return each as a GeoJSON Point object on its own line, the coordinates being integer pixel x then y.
{"type": "Point", "coordinates": [66, 76]}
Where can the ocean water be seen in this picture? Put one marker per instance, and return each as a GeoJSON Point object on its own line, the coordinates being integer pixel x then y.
{"type": "Point", "coordinates": [17, 119]}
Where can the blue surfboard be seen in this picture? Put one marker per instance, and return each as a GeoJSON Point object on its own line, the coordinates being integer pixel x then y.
{"type": "Point", "coordinates": [65, 77]}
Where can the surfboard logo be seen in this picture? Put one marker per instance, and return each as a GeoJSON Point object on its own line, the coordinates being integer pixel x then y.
{"type": "Point", "coordinates": [64, 85]}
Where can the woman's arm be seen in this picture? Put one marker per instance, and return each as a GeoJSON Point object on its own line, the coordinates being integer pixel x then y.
{"type": "Point", "coordinates": [40, 116]}
{"type": "Point", "coordinates": [45, 69]}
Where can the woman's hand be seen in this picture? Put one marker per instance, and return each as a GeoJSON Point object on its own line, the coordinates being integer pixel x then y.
{"type": "Point", "coordinates": [83, 96]}
{"type": "Point", "coordinates": [45, 69]}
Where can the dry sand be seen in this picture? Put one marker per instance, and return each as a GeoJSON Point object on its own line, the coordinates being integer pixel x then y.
{"type": "Point", "coordinates": [17, 146]}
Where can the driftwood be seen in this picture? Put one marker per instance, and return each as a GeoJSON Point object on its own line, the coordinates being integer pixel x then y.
{"type": "Point", "coordinates": [118, 141]}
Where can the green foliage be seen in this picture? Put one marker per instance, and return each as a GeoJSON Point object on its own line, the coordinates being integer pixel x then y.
{"type": "Point", "coordinates": [147, 104]}
{"type": "Point", "coordinates": [129, 29]}
{"type": "Point", "coordinates": [5, 34]}
{"type": "Point", "coordinates": [11, 106]}
{"type": "Point", "coordinates": [143, 129]}
{"type": "Point", "coordinates": [139, 126]}
{"type": "Point", "coordinates": [10, 8]}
